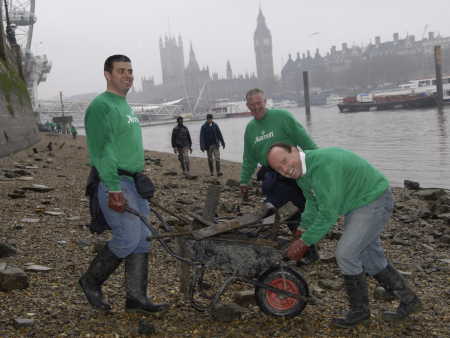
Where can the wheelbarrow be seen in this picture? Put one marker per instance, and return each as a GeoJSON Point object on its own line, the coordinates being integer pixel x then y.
{"type": "Point", "coordinates": [279, 290]}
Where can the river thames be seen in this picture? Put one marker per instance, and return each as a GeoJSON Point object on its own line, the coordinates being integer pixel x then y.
{"type": "Point", "coordinates": [403, 144]}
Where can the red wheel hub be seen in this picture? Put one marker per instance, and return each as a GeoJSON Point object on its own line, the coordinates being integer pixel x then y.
{"type": "Point", "coordinates": [278, 301]}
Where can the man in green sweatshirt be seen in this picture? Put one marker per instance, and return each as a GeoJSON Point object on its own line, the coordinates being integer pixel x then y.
{"type": "Point", "coordinates": [116, 152]}
{"type": "Point", "coordinates": [337, 182]}
{"type": "Point", "coordinates": [270, 126]}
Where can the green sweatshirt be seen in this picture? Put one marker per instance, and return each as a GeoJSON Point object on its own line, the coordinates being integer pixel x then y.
{"type": "Point", "coordinates": [336, 182]}
{"type": "Point", "coordinates": [114, 138]}
{"type": "Point", "coordinates": [276, 126]}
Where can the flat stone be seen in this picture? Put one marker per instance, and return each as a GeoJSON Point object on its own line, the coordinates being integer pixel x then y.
{"type": "Point", "coordinates": [430, 194]}
{"type": "Point", "coordinates": [13, 278]}
{"type": "Point", "coordinates": [3, 265]}
{"type": "Point", "coordinates": [30, 220]}
{"type": "Point", "coordinates": [73, 218]}
{"type": "Point", "coordinates": [445, 260]}
{"type": "Point", "coordinates": [329, 284]}
{"type": "Point", "coordinates": [38, 188]}
{"type": "Point", "coordinates": [25, 178]}
{"type": "Point", "coordinates": [54, 213]}
{"type": "Point", "coordinates": [23, 322]}
{"type": "Point", "coordinates": [227, 312]}
{"type": "Point", "coordinates": [7, 250]}
{"type": "Point", "coordinates": [244, 297]}
{"type": "Point", "coordinates": [37, 268]}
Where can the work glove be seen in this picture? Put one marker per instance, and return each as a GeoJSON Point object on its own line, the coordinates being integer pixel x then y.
{"type": "Point", "coordinates": [117, 201]}
{"type": "Point", "coordinates": [297, 249]}
{"type": "Point", "coordinates": [244, 191]}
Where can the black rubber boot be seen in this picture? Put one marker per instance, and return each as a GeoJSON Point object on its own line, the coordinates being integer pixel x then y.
{"type": "Point", "coordinates": [98, 272]}
{"type": "Point", "coordinates": [393, 281]}
{"type": "Point", "coordinates": [211, 167]}
{"type": "Point", "coordinates": [136, 278]}
{"type": "Point", "coordinates": [356, 288]}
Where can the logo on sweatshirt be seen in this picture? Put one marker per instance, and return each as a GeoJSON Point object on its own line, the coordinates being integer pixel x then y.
{"type": "Point", "coordinates": [264, 136]}
{"type": "Point", "coordinates": [132, 119]}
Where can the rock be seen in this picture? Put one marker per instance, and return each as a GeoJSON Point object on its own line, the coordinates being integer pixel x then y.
{"type": "Point", "coordinates": [244, 297]}
{"type": "Point", "coordinates": [426, 246]}
{"type": "Point", "coordinates": [37, 268]}
{"type": "Point", "coordinates": [25, 178]}
{"type": "Point", "coordinates": [170, 173]}
{"type": "Point", "coordinates": [13, 278]}
{"type": "Point", "coordinates": [54, 213]}
{"type": "Point", "coordinates": [7, 250]}
{"type": "Point", "coordinates": [232, 183]}
{"type": "Point", "coordinates": [227, 312]}
{"type": "Point", "coordinates": [445, 217]}
{"type": "Point", "coordinates": [73, 218]}
{"type": "Point", "coordinates": [329, 284]}
{"type": "Point", "coordinates": [18, 193]}
{"type": "Point", "coordinates": [411, 185]}
{"type": "Point", "coordinates": [30, 220]}
{"type": "Point", "coordinates": [38, 188]}
{"type": "Point", "coordinates": [23, 322]}
{"type": "Point", "coordinates": [431, 194]}
{"type": "Point", "coordinates": [146, 328]}
{"type": "Point", "coordinates": [445, 239]}
{"type": "Point", "coordinates": [445, 260]}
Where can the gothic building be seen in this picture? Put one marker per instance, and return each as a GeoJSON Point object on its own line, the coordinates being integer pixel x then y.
{"type": "Point", "coordinates": [172, 60]}
{"type": "Point", "coordinates": [262, 40]}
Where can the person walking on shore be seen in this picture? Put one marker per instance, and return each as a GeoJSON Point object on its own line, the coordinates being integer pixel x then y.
{"type": "Point", "coordinates": [337, 182]}
{"type": "Point", "coordinates": [182, 144]}
{"type": "Point", "coordinates": [210, 140]}
{"type": "Point", "coordinates": [267, 127]}
{"type": "Point", "coordinates": [116, 152]}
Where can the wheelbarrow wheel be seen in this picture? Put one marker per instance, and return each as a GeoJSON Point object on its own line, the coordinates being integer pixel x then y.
{"type": "Point", "coordinates": [276, 304]}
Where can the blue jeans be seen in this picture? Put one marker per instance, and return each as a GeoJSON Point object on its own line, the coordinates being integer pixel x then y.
{"type": "Point", "coordinates": [359, 249]}
{"type": "Point", "coordinates": [129, 233]}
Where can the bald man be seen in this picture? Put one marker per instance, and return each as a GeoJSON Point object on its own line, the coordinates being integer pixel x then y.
{"type": "Point", "coordinates": [337, 182]}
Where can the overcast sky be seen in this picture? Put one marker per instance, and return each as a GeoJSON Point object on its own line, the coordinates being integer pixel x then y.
{"type": "Point", "coordinates": [78, 35]}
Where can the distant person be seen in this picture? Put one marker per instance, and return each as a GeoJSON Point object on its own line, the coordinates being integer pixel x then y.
{"type": "Point", "coordinates": [267, 127]}
{"type": "Point", "coordinates": [210, 140]}
{"type": "Point", "coordinates": [337, 182]}
{"type": "Point", "coordinates": [116, 152]}
{"type": "Point", "coordinates": [182, 144]}
{"type": "Point", "coordinates": [74, 132]}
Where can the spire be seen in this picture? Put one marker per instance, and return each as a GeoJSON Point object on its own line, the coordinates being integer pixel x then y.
{"type": "Point", "coordinates": [193, 64]}
{"type": "Point", "coordinates": [229, 71]}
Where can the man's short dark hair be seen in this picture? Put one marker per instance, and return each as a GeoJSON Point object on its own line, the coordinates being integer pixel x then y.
{"type": "Point", "coordinates": [254, 91]}
{"type": "Point", "coordinates": [282, 145]}
{"type": "Point", "coordinates": [108, 67]}
{"type": "Point", "coordinates": [209, 116]}
{"type": "Point", "coordinates": [179, 118]}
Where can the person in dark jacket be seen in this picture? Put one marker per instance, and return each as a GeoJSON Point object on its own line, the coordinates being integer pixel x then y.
{"type": "Point", "coordinates": [210, 140]}
{"type": "Point", "coordinates": [182, 144]}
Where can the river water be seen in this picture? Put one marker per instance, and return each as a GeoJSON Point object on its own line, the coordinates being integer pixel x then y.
{"type": "Point", "coordinates": [403, 144]}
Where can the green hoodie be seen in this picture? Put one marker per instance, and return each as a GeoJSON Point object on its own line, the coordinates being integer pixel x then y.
{"type": "Point", "coordinates": [336, 182]}
{"type": "Point", "coordinates": [276, 126]}
{"type": "Point", "coordinates": [114, 138]}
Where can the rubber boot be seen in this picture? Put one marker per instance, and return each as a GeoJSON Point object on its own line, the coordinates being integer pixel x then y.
{"type": "Point", "coordinates": [357, 292]}
{"type": "Point", "coordinates": [219, 173]}
{"type": "Point", "coordinates": [136, 278]}
{"type": "Point", "coordinates": [98, 272]}
{"type": "Point", "coordinates": [393, 281]}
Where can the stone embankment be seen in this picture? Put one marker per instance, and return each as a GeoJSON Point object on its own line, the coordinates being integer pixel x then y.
{"type": "Point", "coordinates": [45, 247]}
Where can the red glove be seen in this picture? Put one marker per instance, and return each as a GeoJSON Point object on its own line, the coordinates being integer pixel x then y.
{"type": "Point", "coordinates": [297, 233]}
{"type": "Point", "coordinates": [297, 249]}
{"type": "Point", "coordinates": [117, 201]}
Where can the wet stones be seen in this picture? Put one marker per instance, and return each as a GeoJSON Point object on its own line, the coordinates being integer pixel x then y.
{"type": "Point", "coordinates": [7, 250]}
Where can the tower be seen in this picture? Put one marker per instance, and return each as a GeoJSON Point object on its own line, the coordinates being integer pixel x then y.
{"type": "Point", "coordinates": [229, 71]}
{"type": "Point", "coordinates": [172, 60]}
{"type": "Point", "coordinates": [262, 40]}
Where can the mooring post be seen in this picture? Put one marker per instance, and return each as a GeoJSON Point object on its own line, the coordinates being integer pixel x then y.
{"type": "Point", "coordinates": [2, 36]}
{"type": "Point", "coordinates": [438, 66]}
{"type": "Point", "coordinates": [209, 211]}
{"type": "Point", "coordinates": [306, 93]}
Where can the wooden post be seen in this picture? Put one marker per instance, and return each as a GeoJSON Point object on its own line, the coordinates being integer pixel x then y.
{"type": "Point", "coordinates": [438, 66]}
{"type": "Point", "coordinates": [306, 93]}
{"type": "Point", "coordinates": [2, 35]}
{"type": "Point", "coordinates": [209, 211]}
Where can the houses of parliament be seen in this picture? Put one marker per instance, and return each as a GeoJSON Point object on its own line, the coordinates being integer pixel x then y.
{"type": "Point", "coordinates": [344, 71]}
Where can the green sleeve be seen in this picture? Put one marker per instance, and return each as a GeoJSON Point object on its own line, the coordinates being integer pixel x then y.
{"type": "Point", "coordinates": [248, 162]}
{"type": "Point", "coordinates": [100, 144]}
{"type": "Point", "coordinates": [321, 211]}
{"type": "Point", "coordinates": [297, 133]}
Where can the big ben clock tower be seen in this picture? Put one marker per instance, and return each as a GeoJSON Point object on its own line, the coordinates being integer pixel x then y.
{"type": "Point", "coordinates": [262, 40]}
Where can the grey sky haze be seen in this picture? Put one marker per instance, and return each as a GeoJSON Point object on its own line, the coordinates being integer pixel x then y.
{"type": "Point", "coordinates": [78, 35]}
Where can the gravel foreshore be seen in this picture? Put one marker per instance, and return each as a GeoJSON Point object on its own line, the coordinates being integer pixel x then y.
{"type": "Point", "coordinates": [48, 229]}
